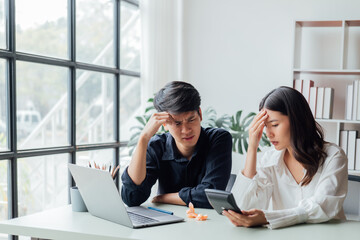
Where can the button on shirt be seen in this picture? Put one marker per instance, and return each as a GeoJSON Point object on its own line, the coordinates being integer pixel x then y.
{"type": "Point", "coordinates": [209, 167]}
{"type": "Point", "coordinates": [319, 201]}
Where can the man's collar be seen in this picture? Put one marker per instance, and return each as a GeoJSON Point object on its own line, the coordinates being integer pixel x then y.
{"type": "Point", "coordinates": [171, 152]}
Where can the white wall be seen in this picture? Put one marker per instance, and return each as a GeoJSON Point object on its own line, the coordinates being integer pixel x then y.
{"type": "Point", "coordinates": [235, 51]}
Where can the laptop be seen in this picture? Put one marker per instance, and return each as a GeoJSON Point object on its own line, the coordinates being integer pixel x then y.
{"type": "Point", "coordinates": [103, 200]}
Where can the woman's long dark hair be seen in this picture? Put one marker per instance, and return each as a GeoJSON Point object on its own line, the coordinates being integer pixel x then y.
{"type": "Point", "coordinates": [306, 135]}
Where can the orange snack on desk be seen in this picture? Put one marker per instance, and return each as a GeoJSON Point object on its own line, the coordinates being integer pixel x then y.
{"type": "Point", "coordinates": [191, 213]}
{"type": "Point", "coordinates": [191, 208]}
{"type": "Point", "coordinates": [201, 217]}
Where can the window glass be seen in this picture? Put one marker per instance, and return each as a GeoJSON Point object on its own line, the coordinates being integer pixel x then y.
{"type": "Point", "coordinates": [3, 190]}
{"type": "Point", "coordinates": [42, 95]}
{"type": "Point", "coordinates": [95, 31]}
{"type": "Point", "coordinates": [130, 37]}
{"type": "Point", "coordinates": [3, 194]}
{"type": "Point", "coordinates": [94, 107]}
{"type": "Point", "coordinates": [104, 157]}
{"type": "Point", "coordinates": [129, 105]}
{"type": "Point", "coordinates": [43, 30]}
{"type": "Point", "coordinates": [42, 183]}
{"type": "Point", "coordinates": [125, 158]}
{"type": "Point", "coordinates": [3, 111]}
{"type": "Point", "coordinates": [2, 25]}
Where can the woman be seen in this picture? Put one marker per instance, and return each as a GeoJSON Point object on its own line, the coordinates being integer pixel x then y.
{"type": "Point", "coordinates": [304, 177]}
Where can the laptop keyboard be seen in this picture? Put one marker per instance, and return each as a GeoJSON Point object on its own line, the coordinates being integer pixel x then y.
{"type": "Point", "coordinates": [138, 219]}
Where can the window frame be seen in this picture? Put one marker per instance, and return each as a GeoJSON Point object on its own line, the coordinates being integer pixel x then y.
{"type": "Point", "coordinates": [12, 56]}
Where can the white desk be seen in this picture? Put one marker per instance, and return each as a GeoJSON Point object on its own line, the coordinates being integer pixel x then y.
{"type": "Point", "coordinates": [62, 223]}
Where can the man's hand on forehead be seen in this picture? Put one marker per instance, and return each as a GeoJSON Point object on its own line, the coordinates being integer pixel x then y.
{"type": "Point", "coordinates": [172, 119]}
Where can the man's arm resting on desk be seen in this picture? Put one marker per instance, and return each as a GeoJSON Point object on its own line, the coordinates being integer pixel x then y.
{"type": "Point", "coordinates": [170, 198]}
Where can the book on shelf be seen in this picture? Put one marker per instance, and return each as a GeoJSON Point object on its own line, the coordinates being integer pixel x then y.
{"type": "Point", "coordinates": [344, 140]}
{"type": "Point", "coordinates": [320, 102]}
{"type": "Point", "coordinates": [355, 99]}
{"type": "Point", "coordinates": [349, 102]}
{"type": "Point", "coordinates": [351, 148]}
{"type": "Point", "coordinates": [328, 103]}
{"type": "Point", "coordinates": [298, 85]}
{"type": "Point", "coordinates": [357, 157]}
{"type": "Point", "coordinates": [312, 101]}
{"type": "Point", "coordinates": [352, 100]}
{"type": "Point", "coordinates": [306, 85]}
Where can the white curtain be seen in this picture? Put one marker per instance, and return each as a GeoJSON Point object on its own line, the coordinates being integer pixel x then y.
{"type": "Point", "coordinates": [161, 56]}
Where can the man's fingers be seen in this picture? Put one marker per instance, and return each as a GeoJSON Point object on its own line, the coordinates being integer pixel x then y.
{"type": "Point", "coordinates": [161, 117]}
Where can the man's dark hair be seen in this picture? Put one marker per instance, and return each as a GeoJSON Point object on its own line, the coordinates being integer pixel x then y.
{"type": "Point", "coordinates": [177, 97]}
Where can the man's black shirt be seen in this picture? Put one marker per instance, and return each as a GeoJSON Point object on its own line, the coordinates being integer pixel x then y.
{"type": "Point", "coordinates": [209, 167]}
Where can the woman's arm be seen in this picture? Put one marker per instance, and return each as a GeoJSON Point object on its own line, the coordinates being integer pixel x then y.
{"type": "Point", "coordinates": [255, 134]}
{"type": "Point", "coordinates": [252, 188]}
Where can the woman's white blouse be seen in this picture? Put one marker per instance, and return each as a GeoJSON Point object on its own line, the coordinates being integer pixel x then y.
{"type": "Point", "coordinates": [319, 201]}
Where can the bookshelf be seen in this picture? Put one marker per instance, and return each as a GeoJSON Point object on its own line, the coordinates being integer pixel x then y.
{"type": "Point", "coordinates": [328, 52]}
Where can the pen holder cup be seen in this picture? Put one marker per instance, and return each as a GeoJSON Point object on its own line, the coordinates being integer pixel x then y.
{"type": "Point", "coordinates": [77, 201]}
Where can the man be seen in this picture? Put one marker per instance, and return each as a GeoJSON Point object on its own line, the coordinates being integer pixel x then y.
{"type": "Point", "coordinates": [186, 160]}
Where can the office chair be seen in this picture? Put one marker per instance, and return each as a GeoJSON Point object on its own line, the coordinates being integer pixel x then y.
{"type": "Point", "coordinates": [230, 183]}
{"type": "Point", "coordinates": [352, 201]}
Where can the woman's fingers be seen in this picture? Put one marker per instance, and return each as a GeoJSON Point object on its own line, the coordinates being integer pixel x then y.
{"type": "Point", "coordinates": [249, 212]}
{"type": "Point", "coordinates": [235, 214]}
{"type": "Point", "coordinates": [260, 115]}
{"type": "Point", "coordinates": [249, 218]}
{"type": "Point", "coordinates": [256, 129]}
{"type": "Point", "coordinates": [232, 219]}
{"type": "Point", "coordinates": [256, 119]}
{"type": "Point", "coordinates": [259, 122]}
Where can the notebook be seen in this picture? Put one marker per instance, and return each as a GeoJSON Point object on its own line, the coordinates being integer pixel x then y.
{"type": "Point", "coordinates": [103, 200]}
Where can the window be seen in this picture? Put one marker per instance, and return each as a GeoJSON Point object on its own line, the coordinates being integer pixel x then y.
{"type": "Point", "coordinates": [100, 157]}
{"type": "Point", "coordinates": [69, 82]}
{"type": "Point", "coordinates": [43, 30]}
{"type": "Point", "coordinates": [130, 85]}
{"type": "Point", "coordinates": [95, 35]}
{"type": "Point", "coordinates": [3, 193]}
{"type": "Point", "coordinates": [94, 107]}
{"type": "Point", "coordinates": [3, 111]}
{"type": "Point", "coordinates": [130, 37]}
{"type": "Point", "coordinates": [129, 100]}
{"type": "Point", "coordinates": [2, 25]}
{"type": "Point", "coordinates": [42, 183]}
{"type": "Point", "coordinates": [42, 105]}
